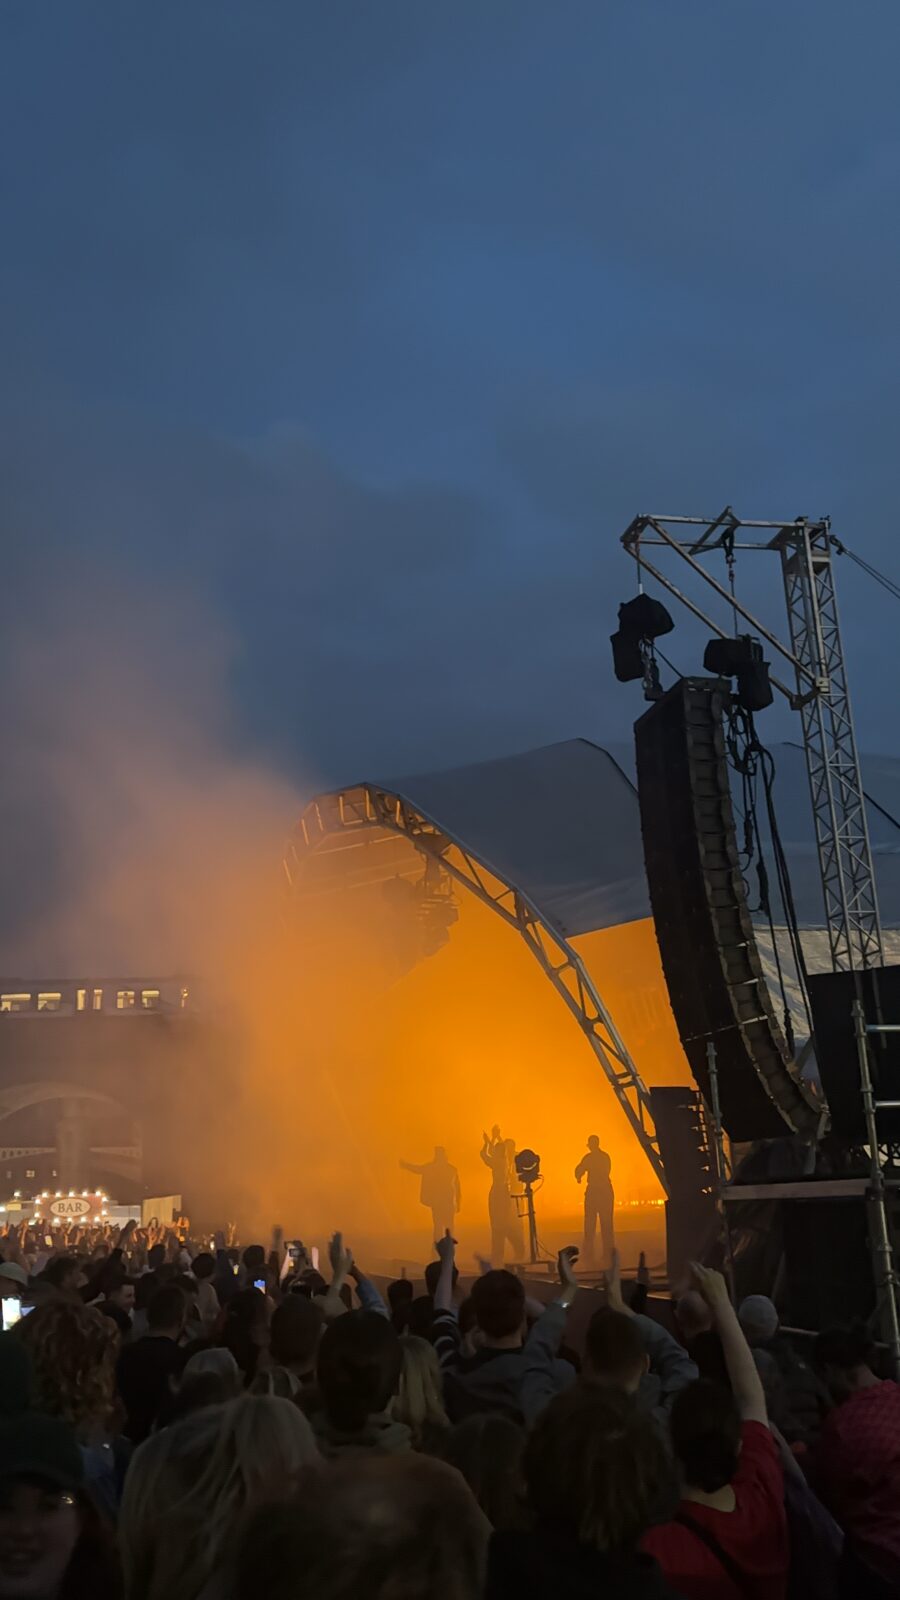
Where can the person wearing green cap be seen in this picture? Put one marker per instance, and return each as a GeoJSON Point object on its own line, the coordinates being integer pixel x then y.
{"type": "Point", "coordinates": [52, 1546]}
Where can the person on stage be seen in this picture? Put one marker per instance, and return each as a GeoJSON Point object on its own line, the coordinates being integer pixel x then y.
{"type": "Point", "coordinates": [598, 1199]}
{"type": "Point", "coordinates": [506, 1228]}
{"type": "Point", "coordinates": [440, 1190]}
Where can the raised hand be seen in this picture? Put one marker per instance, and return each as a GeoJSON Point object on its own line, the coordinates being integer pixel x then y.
{"type": "Point", "coordinates": [340, 1256]}
{"type": "Point", "coordinates": [565, 1266]}
{"type": "Point", "coordinates": [710, 1284]}
{"type": "Point", "coordinates": [614, 1296]}
{"type": "Point", "coordinates": [446, 1248]}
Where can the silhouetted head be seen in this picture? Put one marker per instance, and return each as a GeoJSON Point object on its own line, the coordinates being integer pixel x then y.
{"type": "Point", "coordinates": [692, 1314]}
{"type": "Point", "coordinates": [64, 1273]}
{"type": "Point", "coordinates": [399, 1525]}
{"type": "Point", "coordinates": [593, 1142]}
{"type": "Point", "coordinates": [614, 1354]}
{"type": "Point", "coordinates": [156, 1255]}
{"type": "Point", "coordinates": [498, 1301]}
{"type": "Point", "coordinates": [432, 1274]}
{"type": "Point", "coordinates": [594, 1466]}
{"type": "Point", "coordinates": [167, 1311]}
{"type": "Point", "coordinates": [245, 1329]}
{"type": "Point", "coordinates": [203, 1266]}
{"type": "Point", "coordinates": [705, 1428]}
{"type": "Point", "coordinates": [358, 1368]}
{"type": "Point", "coordinates": [294, 1334]}
{"type": "Point", "coordinates": [758, 1318]}
{"type": "Point", "coordinates": [254, 1259]}
{"type": "Point", "coordinates": [440, 1154]}
{"type": "Point", "coordinates": [399, 1293]}
{"type": "Point", "coordinates": [844, 1358]}
{"type": "Point", "coordinates": [487, 1449]}
{"type": "Point", "coordinates": [420, 1316]}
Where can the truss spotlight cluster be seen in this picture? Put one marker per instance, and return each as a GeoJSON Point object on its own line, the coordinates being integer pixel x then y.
{"type": "Point", "coordinates": [641, 620]}
{"type": "Point", "coordinates": [742, 659]}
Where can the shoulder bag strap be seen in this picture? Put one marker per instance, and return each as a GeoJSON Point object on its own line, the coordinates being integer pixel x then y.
{"type": "Point", "coordinates": [726, 1562]}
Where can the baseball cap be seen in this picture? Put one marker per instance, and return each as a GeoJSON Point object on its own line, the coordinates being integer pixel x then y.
{"type": "Point", "coordinates": [11, 1269]}
{"type": "Point", "coordinates": [758, 1318]}
{"type": "Point", "coordinates": [32, 1445]}
{"type": "Point", "coordinates": [35, 1446]}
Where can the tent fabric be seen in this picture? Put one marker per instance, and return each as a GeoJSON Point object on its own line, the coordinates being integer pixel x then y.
{"type": "Point", "coordinates": [562, 824]}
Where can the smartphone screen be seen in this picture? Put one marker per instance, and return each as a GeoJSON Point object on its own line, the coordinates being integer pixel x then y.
{"type": "Point", "coordinates": [12, 1311]}
{"type": "Point", "coordinates": [27, 1310]}
{"type": "Point", "coordinates": [314, 1256]}
{"type": "Point", "coordinates": [260, 1284]}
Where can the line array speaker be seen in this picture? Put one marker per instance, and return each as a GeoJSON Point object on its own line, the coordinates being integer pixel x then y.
{"type": "Point", "coordinates": [703, 926]}
{"type": "Point", "coordinates": [831, 996]}
{"type": "Point", "coordinates": [691, 1216]}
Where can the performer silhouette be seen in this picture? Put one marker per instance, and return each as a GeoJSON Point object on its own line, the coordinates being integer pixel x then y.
{"type": "Point", "coordinates": [440, 1190]}
{"type": "Point", "coordinates": [598, 1198]}
{"type": "Point", "coordinates": [506, 1227]}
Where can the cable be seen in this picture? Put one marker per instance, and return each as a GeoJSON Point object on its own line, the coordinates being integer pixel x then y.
{"type": "Point", "coordinates": [866, 566]}
{"type": "Point", "coordinates": [750, 758]}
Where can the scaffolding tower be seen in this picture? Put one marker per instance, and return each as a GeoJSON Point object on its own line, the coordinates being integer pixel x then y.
{"type": "Point", "coordinates": [820, 694]}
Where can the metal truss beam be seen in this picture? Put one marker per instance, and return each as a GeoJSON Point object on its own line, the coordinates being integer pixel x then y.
{"type": "Point", "coordinates": [835, 781]}
{"type": "Point", "coordinates": [815, 655]}
{"type": "Point", "coordinates": [368, 806]}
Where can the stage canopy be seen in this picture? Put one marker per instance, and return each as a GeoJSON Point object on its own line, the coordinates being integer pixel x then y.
{"type": "Point", "coordinates": [562, 822]}
{"type": "Point", "coordinates": [550, 840]}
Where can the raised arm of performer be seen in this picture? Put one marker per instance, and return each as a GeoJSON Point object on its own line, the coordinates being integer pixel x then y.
{"type": "Point", "coordinates": [410, 1166]}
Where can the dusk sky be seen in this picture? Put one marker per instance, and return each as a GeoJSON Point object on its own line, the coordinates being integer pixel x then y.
{"type": "Point", "coordinates": [362, 330]}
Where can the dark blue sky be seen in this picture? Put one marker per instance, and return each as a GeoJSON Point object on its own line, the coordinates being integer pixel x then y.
{"type": "Point", "coordinates": [365, 329]}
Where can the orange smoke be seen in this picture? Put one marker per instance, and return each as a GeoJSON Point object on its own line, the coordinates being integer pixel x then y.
{"type": "Point", "coordinates": [325, 1068]}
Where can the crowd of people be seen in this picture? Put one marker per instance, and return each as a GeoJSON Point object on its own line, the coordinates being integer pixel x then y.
{"type": "Point", "coordinates": [180, 1422]}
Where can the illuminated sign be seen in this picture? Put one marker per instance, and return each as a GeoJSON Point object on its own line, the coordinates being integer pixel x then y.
{"type": "Point", "coordinates": [70, 1208]}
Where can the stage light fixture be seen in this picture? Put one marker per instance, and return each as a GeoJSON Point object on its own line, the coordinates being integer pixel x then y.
{"type": "Point", "coordinates": [528, 1166]}
{"type": "Point", "coordinates": [645, 617]}
{"type": "Point", "coordinates": [628, 657]}
{"type": "Point", "coordinates": [641, 620]}
{"type": "Point", "coordinates": [742, 659]}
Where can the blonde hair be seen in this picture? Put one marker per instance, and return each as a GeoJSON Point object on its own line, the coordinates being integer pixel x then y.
{"type": "Point", "coordinates": [188, 1486]}
{"type": "Point", "coordinates": [219, 1362]}
{"type": "Point", "coordinates": [419, 1401]}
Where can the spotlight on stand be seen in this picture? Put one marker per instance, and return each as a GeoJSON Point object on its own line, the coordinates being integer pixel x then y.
{"type": "Point", "coordinates": [640, 622]}
{"type": "Point", "coordinates": [528, 1172]}
{"type": "Point", "coordinates": [528, 1166]}
{"type": "Point", "coordinates": [741, 658]}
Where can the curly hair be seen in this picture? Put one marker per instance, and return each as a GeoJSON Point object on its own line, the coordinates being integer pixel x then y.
{"type": "Point", "coordinates": [73, 1351]}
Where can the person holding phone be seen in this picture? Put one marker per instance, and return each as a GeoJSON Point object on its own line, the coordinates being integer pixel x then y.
{"type": "Point", "coordinates": [13, 1288]}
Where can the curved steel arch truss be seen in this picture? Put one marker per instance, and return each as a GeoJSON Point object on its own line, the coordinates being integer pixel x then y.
{"type": "Point", "coordinates": [368, 807]}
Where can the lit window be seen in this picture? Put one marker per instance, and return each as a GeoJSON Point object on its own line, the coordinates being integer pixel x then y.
{"type": "Point", "coordinates": [98, 1000]}
{"type": "Point", "coordinates": [184, 999]}
{"type": "Point", "coordinates": [49, 1002]}
{"type": "Point", "coordinates": [80, 999]}
{"type": "Point", "coordinates": [150, 999]}
{"type": "Point", "coordinates": [29, 1172]}
{"type": "Point", "coordinates": [15, 1002]}
{"type": "Point", "coordinates": [124, 999]}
